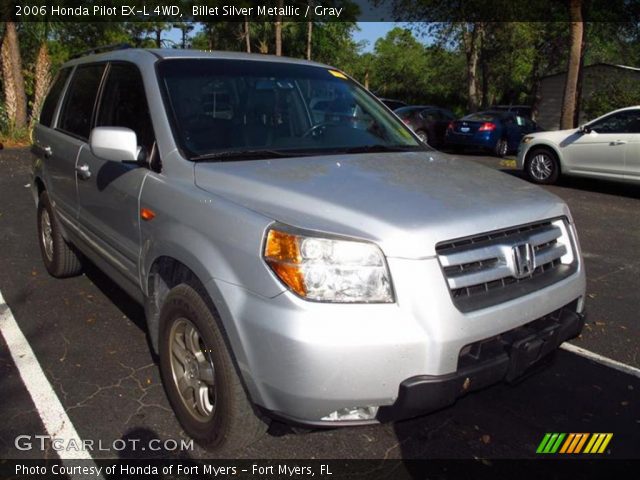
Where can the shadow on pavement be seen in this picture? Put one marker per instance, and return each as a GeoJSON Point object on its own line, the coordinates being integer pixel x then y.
{"type": "Point", "coordinates": [573, 395]}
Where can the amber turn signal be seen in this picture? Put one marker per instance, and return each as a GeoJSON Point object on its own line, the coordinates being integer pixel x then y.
{"type": "Point", "coordinates": [282, 254]}
{"type": "Point", "coordinates": [147, 214]}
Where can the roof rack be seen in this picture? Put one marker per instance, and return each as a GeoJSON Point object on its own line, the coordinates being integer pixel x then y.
{"type": "Point", "coordinates": [106, 48]}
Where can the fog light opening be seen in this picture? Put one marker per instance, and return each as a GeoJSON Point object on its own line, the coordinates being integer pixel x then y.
{"type": "Point", "coordinates": [353, 413]}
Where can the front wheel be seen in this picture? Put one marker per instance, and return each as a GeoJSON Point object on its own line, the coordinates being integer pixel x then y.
{"type": "Point", "coordinates": [542, 166]}
{"type": "Point", "coordinates": [200, 377]}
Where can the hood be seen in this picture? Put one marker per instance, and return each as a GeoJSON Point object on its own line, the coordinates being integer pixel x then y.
{"type": "Point", "coordinates": [405, 202]}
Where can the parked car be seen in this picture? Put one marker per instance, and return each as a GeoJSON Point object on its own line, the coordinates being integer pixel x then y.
{"type": "Point", "coordinates": [393, 104]}
{"type": "Point", "coordinates": [430, 123]}
{"type": "Point", "coordinates": [495, 131]}
{"type": "Point", "coordinates": [524, 110]}
{"type": "Point", "coordinates": [607, 147]}
{"type": "Point", "coordinates": [318, 271]}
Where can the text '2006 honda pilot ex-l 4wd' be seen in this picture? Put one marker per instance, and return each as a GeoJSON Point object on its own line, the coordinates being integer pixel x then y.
{"type": "Point", "coordinates": [316, 265]}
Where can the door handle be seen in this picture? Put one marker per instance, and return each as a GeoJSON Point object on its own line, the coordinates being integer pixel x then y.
{"type": "Point", "coordinates": [47, 152]}
{"type": "Point", "coordinates": [83, 171]}
{"type": "Point", "coordinates": [619, 142]}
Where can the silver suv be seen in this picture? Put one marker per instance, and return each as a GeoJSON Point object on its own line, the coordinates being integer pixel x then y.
{"type": "Point", "coordinates": [300, 254]}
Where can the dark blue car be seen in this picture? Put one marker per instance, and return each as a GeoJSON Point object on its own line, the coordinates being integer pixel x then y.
{"type": "Point", "coordinates": [497, 131]}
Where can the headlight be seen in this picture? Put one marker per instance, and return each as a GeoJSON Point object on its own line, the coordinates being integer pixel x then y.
{"type": "Point", "coordinates": [328, 269]}
{"type": "Point", "coordinates": [526, 140]}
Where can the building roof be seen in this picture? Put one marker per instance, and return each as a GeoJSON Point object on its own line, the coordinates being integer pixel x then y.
{"type": "Point", "coordinates": [599, 64]}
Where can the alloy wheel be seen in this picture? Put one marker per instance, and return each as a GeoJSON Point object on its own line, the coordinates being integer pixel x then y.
{"type": "Point", "coordinates": [46, 234]}
{"type": "Point", "coordinates": [192, 369]}
{"type": "Point", "coordinates": [541, 166]}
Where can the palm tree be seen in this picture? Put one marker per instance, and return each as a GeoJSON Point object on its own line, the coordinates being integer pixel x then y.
{"type": "Point", "coordinates": [14, 93]}
{"type": "Point", "coordinates": [42, 80]}
{"type": "Point", "coordinates": [567, 118]}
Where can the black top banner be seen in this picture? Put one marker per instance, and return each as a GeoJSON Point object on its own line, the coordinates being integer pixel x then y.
{"type": "Point", "coordinates": [627, 11]}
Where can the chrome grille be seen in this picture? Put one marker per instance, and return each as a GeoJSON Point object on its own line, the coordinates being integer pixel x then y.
{"type": "Point", "coordinates": [493, 267]}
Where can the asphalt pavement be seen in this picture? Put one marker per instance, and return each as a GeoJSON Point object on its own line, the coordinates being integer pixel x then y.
{"type": "Point", "coordinates": [90, 340]}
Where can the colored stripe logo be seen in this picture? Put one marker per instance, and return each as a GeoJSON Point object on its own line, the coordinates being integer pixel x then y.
{"type": "Point", "coordinates": [574, 443]}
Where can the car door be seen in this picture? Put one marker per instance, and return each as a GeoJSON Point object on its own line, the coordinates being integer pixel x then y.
{"type": "Point", "coordinates": [108, 191]}
{"type": "Point", "coordinates": [632, 153]}
{"type": "Point", "coordinates": [60, 146]}
{"type": "Point", "coordinates": [601, 148]}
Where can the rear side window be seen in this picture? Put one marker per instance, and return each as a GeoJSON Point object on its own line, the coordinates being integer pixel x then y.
{"type": "Point", "coordinates": [77, 110]}
{"type": "Point", "coordinates": [124, 103]}
{"type": "Point", "coordinates": [51, 102]}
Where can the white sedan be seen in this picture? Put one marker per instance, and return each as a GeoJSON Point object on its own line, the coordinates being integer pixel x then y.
{"type": "Point", "coordinates": [607, 147]}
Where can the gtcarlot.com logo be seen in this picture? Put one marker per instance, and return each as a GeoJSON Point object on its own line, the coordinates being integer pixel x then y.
{"type": "Point", "coordinates": [574, 443]}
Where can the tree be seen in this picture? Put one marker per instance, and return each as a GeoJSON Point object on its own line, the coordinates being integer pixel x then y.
{"type": "Point", "coordinates": [569, 102]}
{"type": "Point", "coordinates": [42, 75]}
{"type": "Point", "coordinates": [309, 37]}
{"type": "Point", "coordinates": [14, 91]}
{"type": "Point", "coordinates": [247, 34]}
{"type": "Point", "coordinates": [278, 29]}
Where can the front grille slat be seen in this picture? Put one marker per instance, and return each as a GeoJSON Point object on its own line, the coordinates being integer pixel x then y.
{"type": "Point", "coordinates": [476, 278]}
{"type": "Point", "coordinates": [550, 254]}
{"type": "Point", "coordinates": [481, 270]}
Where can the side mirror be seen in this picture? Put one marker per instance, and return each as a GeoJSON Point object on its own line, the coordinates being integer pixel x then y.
{"type": "Point", "coordinates": [118, 144]}
{"type": "Point", "coordinates": [585, 129]}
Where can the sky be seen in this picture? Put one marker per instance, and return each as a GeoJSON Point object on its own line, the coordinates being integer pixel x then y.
{"type": "Point", "coordinates": [372, 31]}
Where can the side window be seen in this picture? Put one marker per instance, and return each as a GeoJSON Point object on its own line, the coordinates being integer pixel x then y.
{"type": "Point", "coordinates": [623, 122]}
{"type": "Point", "coordinates": [76, 112]}
{"type": "Point", "coordinates": [124, 104]}
{"type": "Point", "coordinates": [634, 122]}
{"type": "Point", "coordinates": [429, 115]}
{"type": "Point", "coordinates": [447, 115]}
{"type": "Point", "coordinates": [51, 102]}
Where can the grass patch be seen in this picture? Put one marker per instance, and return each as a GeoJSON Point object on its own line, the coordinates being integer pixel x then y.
{"type": "Point", "coordinates": [16, 139]}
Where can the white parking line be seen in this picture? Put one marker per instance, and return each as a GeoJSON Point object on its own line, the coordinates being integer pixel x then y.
{"type": "Point", "coordinates": [53, 416]}
{"type": "Point", "coordinates": [608, 362]}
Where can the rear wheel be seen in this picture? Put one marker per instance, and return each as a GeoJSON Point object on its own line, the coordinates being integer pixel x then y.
{"type": "Point", "coordinates": [501, 148]}
{"type": "Point", "coordinates": [542, 166]}
{"type": "Point", "coordinates": [200, 377]}
{"type": "Point", "coordinates": [58, 257]}
{"type": "Point", "coordinates": [423, 136]}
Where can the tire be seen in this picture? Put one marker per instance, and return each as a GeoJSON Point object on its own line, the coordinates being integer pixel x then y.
{"type": "Point", "coordinates": [501, 148]}
{"type": "Point", "coordinates": [542, 166]}
{"type": "Point", "coordinates": [59, 258]}
{"type": "Point", "coordinates": [194, 359]}
{"type": "Point", "coordinates": [423, 136]}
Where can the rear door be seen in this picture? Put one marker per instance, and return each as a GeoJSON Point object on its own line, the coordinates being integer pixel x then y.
{"type": "Point", "coordinates": [45, 138]}
{"type": "Point", "coordinates": [60, 147]}
{"type": "Point", "coordinates": [108, 194]}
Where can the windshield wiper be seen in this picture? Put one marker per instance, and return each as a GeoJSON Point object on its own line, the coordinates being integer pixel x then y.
{"type": "Point", "coordinates": [243, 155]}
{"type": "Point", "coordinates": [383, 148]}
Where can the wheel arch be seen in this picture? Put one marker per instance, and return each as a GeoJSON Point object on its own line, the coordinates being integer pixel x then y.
{"type": "Point", "coordinates": [544, 146]}
{"type": "Point", "coordinates": [166, 272]}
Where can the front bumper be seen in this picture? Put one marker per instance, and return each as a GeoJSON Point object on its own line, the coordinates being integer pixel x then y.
{"type": "Point", "coordinates": [302, 360]}
{"type": "Point", "coordinates": [506, 357]}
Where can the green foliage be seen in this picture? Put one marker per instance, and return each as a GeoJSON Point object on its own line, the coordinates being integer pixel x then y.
{"type": "Point", "coordinates": [610, 95]}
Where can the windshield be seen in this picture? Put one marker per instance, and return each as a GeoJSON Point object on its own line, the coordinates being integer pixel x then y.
{"type": "Point", "coordinates": [482, 117]}
{"type": "Point", "coordinates": [219, 107]}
